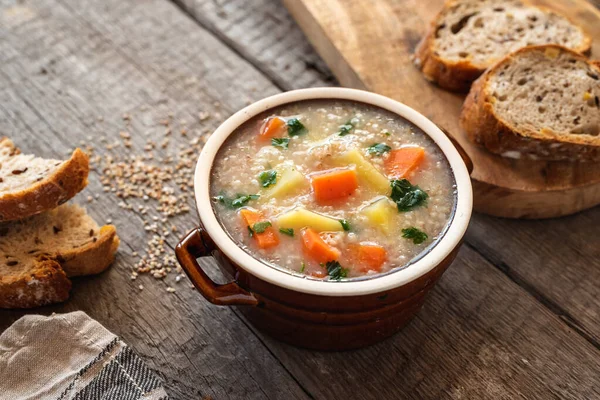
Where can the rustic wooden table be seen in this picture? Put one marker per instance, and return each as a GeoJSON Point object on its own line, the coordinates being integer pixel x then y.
{"type": "Point", "coordinates": [516, 316]}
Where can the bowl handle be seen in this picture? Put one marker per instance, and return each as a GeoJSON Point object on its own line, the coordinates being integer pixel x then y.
{"type": "Point", "coordinates": [194, 246]}
{"type": "Point", "coordinates": [463, 154]}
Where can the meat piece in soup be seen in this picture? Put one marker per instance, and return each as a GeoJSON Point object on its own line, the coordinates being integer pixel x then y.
{"type": "Point", "coordinates": [332, 189]}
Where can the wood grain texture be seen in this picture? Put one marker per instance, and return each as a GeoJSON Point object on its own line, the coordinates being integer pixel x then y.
{"type": "Point", "coordinates": [376, 56]}
{"type": "Point", "coordinates": [479, 336]}
{"type": "Point", "coordinates": [544, 257]}
{"type": "Point", "coordinates": [66, 63]}
{"type": "Point", "coordinates": [262, 32]}
{"type": "Point", "coordinates": [556, 260]}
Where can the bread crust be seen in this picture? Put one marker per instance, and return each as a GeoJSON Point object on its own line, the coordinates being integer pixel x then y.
{"type": "Point", "coordinates": [50, 192]}
{"type": "Point", "coordinates": [450, 75]}
{"type": "Point", "coordinates": [458, 76]}
{"type": "Point", "coordinates": [486, 129]}
{"type": "Point", "coordinates": [92, 258]}
{"type": "Point", "coordinates": [47, 283]}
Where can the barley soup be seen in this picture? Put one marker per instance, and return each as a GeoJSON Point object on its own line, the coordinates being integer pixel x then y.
{"type": "Point", "coordinates": [332, 189]}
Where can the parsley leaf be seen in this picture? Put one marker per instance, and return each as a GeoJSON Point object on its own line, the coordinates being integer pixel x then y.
{"type": "Point", "coordinates": [406, 195]}
{"type": "Point", "coordinates": [295, 127]}
{"type": "Point", "coordinates": [261, 226]}
{"type": "Point", "coordinates": [378, 149]}
{"type": "Point", "coordinates": [345, 224]}
{"type": "Point", "coordinates": [267, 178]}
{"type": "Point", "coordinates": [242, 200]}
{"type": "Point", "coordinates": [387, 133]}
{"type": "Point", "coordinates": [287, 231]}
{"type": "Point", "coordinates": [347, 127]}
{"type": "Point", "coordinates": [417, 235]}
{"type": "Point", "coordinates": [303, 266]}
{"type": "Point", "coordinates": [280, 142]}
{"type": "Point", "coordinates": [335, 270]}
{"type": "Point", "coordinates": [238, 201]}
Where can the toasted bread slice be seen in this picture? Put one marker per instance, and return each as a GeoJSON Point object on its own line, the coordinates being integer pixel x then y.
{"type": "Point", "coordinates": [541, 102]}
{"type": "Point", "coordinates": [38, 254]}
{"type": "Point", "coordinates": [30, 185]}
{"type": "Point", "coordinates": [469, 36]}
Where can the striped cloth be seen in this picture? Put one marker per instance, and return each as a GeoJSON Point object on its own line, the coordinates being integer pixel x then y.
{"type": "Point", "coordinates": [71, 357]}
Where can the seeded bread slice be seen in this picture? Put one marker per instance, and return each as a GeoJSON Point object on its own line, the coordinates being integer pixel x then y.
{"type": "Point", "coordinates": [541, 102]}
{"type": "Point", "coordinates": [38, 254]}
{"type": "Point", "coordinates": [468, 36]}
{"type": "Point", "coordinates": [30, 185]}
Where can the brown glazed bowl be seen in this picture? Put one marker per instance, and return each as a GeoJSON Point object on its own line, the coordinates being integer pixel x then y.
{"type": "Point", "coordinates": [324, 315]}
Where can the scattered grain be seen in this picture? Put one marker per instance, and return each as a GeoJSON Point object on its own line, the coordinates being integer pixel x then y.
{"type": "Point", "coordinates": [160, 176]}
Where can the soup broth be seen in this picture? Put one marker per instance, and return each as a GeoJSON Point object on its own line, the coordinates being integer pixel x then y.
{"type": "Point", "coordinates": [332, 189]}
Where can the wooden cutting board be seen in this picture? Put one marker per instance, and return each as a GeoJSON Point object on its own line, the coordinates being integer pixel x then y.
{"type": "Point", "coordinates": [368, 45]}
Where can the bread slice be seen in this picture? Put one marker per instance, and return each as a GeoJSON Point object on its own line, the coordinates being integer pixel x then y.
{"type": "Point", "coordinates": [468, 36]}
{"type": "Point", "coordinates": [30, 185]}
{"type": "Point", "coordinates": [541, 102]}
{"type": "Point", "coordinates": [38, 254]}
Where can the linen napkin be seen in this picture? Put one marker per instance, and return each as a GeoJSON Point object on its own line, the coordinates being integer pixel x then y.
{"type": "Point", "coordinates": [71, 357]}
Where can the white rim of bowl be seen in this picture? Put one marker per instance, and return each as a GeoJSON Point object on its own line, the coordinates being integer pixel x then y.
{"type": "Point", "coordinates": [379, 283]}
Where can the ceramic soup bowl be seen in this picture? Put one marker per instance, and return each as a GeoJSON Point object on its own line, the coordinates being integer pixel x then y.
{"type": "Point", "coordinates": [312, 313]}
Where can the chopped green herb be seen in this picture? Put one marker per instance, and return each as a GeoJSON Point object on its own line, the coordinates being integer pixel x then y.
{"type": "Point", "coordinates": [347, 127]}
{"type": "Point", "coordinates": [345, 224]}
{"type": "Point", "coordinates": [335, 270]}
{"type": "Point", "coordinates": [378, 149]}
{"type": "Point", "coordinates": [303, 266]}
{"type": "Point", "coordinates": [238, 201]}
{"type": "Point", "coordinates": [387, 133]}
{"type": "Point", "coordinates": [280, 142]}
{"type": "Point", "coordinates": [406, 195]}
{"type": "Point", "coordinates": [417, 235]}
{"type": "Point", "coordinates": [250, 233]}
{"type": "Point", "coordinates": [242, 200]}
{"type": "Point", "coordinates": [287, 231]}
{"type": "Point", "coordinates": [295, 127]}
{"type": "Point", "coordinates": [267, 178]}
{"type": "Point", "coordinates": [261, 226]}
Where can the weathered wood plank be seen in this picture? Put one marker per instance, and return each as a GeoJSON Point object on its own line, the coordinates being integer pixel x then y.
{"type": "Point", "coordinates": [263, 32]}
{"type": "Point", "coordinates": [557, 260]}
{"type": "Point", "coordinates": [479, 336]}
{"type": "Point", "coordinates": [64, 65]}
{"type": "Point", "coordinates": [110, 60]}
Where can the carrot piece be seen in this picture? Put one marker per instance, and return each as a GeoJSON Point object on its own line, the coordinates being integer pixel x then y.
{"type": "Point", "coordinates": [402, 161]}
{"type": "Point", "coordinates": [334, 184]}
{"type": "Point", "coordinates": [264, 240]}
{"type": "Point", "coordinates": [315, 247]}
{"type": "Point", "coordinates": [368, 257]}
{"type": "Point", "coordinates": [271, 128]}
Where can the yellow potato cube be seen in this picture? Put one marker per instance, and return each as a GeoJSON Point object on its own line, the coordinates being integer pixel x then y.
{"type": "Point", "coordinates": [367, 173]}
{"type": "Point", "coordinates": [289, 181]}
{"type": "Point", "coordinates": [299, 218]}
{"type": "Point", "coordinates": [381, 213]}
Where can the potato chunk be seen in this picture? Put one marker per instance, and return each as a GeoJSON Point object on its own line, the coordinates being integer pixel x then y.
{"type": "Point", "coordinates": [299, 218]}
{"type": "Point", "coordinates": [381, 213]}
{"type": "Point", "coordinates": [367, 173]}
{"type": "Point", "coordinates": [289, 181]}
